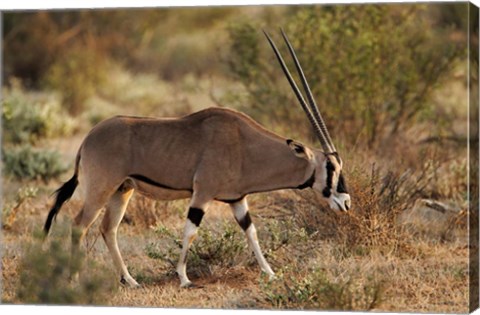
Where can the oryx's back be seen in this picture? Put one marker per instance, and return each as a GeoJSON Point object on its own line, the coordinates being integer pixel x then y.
{"type": "Point", "coordinates": [170, 150]}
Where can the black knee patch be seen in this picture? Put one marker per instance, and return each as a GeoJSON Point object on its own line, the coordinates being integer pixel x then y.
{"type": "Point", "coordinates": [195, 215]}
{"type": "Point", "coordinates": [245, 222]}
{"type": "Point", "coordinates": [123, 281]}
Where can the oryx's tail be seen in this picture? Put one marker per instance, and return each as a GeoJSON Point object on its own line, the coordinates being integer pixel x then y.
{"type": "Point", "coordinates": [62, 194]}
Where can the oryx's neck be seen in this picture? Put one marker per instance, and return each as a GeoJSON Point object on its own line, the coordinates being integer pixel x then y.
{"type": "Point", "coordinates": [279, 169]}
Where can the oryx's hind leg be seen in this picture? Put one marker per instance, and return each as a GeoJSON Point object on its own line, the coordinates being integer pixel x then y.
{"type": "Point", "coordinates": [95, 200]}
{"type": "Point", "coordinates": [240, 211]}
{"type": "Point", "coordinates": [196, 211]}
{"type": "Point", "coordinates": [115, 211]}
{"type": "Point", "coordinates": [82, 222]}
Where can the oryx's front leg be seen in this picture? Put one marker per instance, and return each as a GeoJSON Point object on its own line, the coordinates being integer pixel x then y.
{"type": "Point", "coordinates": [194, 217]}
{"type": "Point", "coordinates": [240, 210]}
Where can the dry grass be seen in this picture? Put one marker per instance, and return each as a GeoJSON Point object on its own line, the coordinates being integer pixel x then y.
{"type": "Point", "coordinates": [423, 274]}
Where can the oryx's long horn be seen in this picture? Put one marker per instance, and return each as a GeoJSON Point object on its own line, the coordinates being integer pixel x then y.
{"type": "Point", "coordinates": [323, 140]}
{"type": "Point", "coordinates": [308, 91]}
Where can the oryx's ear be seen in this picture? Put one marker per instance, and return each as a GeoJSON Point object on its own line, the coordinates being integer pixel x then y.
{"type": "Point", "coordinates": [299, 149]}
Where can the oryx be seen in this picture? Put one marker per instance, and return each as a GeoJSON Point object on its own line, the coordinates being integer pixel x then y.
{"type": "Point", "coordinates": [214, 154]}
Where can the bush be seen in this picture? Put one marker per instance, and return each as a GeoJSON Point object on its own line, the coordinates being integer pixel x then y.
{"type": "Point", "coordinates": [223, 245]}
{"type": "Point", "coordinates": [283, 241]}
{"type": "Point", "coordinates": [76, 75]}
{"type": "Point", "coordinates": [248, 64]}
{"type": "Point", "coordinates": [10, 209]}
{"type": "Point", "coordinates": [37, 41]}
{"type": "Point", "coordinates": [45, 278]}
{"type": "Point", "coordinates": [27, 163]}
{"type": "Point", "coordinates": [375, 66]}
{"type": "Point", "coordinates": [72, 46]}
{"type": "Point", "coordinates": [192, 53]}
{"type": "Point", "coordinates": [29, 117]}
{"type": "Point", "coordinates": [312, 289]}
{"type": "Point", "coordinates": [372, 225]}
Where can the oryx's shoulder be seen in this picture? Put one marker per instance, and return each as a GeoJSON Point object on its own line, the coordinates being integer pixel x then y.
{"type": "Point", "coordinates": [233, 117]}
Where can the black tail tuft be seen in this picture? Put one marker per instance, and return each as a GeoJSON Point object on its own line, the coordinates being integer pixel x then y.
{"type": "Point", "coordinates": [63, 194]}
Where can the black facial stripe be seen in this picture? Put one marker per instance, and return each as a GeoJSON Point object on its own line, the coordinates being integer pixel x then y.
{"type": "Point", "coordinates": [335, 154]}
{"type": "Point", "coordinates": [341, 186]}
{"type": "Point", "coordinates": [327, 191]}
{"type": "Point", "coordinates": [337, 157]}
{"type": "Point", "coordinates": [245, 222]}
{"type": "Point", "coordinates": [309, 183]}
{"type": "Point", "coordinates": [195, 215]}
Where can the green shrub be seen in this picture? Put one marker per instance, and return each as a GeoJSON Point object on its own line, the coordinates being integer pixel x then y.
{"type": "Point", "coordinates": [372, 68]}
{"type": "Point", "coordinates": [312, 289]}
{"type": "Point", "coordinates": [77, 76]}
{"type": "Point", "coordinates": [37, 41]}
{"type": "Point", "coordinates": [29, 117]}
{"type": "Point", "coordinates": [45, 277]}
{"type": "Point", "coordinates": [192, 53]}
{"type": "Point", "coordinates": [127, 92]}
{"type": "Point", "coordinates": [250, 65]}
{"type": "Point", "coordinates": [283, 241]}
{"type": "Point", "coordinates": [222, 245]}
{"type": "Point", "coordinates": [10, 209]}
{"type": "Point", "coordinates": [26, 162]}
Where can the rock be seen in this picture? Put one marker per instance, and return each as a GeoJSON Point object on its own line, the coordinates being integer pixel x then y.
{"type": "Point", "coordinates": [429, 213]}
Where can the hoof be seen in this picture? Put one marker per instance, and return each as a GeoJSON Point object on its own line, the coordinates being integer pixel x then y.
{"type": "Point", "coordinates": [271, 276]}
{"type": "Point", "coordinates": [191, 285]}
{"type": "Point", "coordinates": [135, 286]}
{"type": "Point", "coordinates": [74, 278]}
{"type": "Point", "coordinates": [132, 284]}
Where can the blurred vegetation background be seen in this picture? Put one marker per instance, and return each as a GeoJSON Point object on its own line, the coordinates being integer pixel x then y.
{"type": "Point", "coordinates": [373, 68]}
